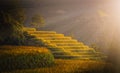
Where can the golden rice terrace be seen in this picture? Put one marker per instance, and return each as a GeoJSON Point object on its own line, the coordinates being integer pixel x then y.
{"type": "Point", "coordinates": [64, 47]}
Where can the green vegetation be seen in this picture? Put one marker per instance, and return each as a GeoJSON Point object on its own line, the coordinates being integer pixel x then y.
{"type": "Point", "coordinates": [72, 66]}
{"type": "Point", "coordinates": [95, 46]}
{"type": "Point", "coordinates": [70, 56]}
{"type": "Point", "coordinates": [63, 47]}
{"type": "Point", "coordinates": [32, 40]}
{"type": "Point", "coordinates": [23, 57]}
{"type": "Point", "coordinates": [37, 21]}
{"type": "Point", "coordinates": [12, 17]}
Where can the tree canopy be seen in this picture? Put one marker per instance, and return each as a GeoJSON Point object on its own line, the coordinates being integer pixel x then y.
{"type": "Point", "coordinates": [37, 21]}
{"type": "Point", "coordinates": [12, 17]}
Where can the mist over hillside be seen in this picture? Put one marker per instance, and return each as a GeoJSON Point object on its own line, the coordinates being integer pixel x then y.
{"type": "Point", "coordinates": [93, 22]}
{"type": "Point", "coordinates": [79, 18]}
{"type": "Point", "coordinates": [89, 21]}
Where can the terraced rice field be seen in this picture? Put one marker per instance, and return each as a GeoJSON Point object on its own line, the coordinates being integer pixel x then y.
{"type": "Point", "coordinates": [64, 47]}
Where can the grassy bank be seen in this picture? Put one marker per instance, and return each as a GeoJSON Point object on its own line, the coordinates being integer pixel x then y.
{"type": "Point", "coordinates": [24, 57]}
{"type": "Point", "coordinates": [72, 66]}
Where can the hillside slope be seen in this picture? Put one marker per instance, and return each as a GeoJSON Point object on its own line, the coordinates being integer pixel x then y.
{"type": "Point", "coordinates": [64, 47]}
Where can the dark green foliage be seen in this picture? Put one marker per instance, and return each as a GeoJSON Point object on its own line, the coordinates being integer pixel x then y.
{"type": "Point", "coordinates": [37, 21]}
{"type": "Point", "coordinates": [32, 40]}
{"type": "Point", "coordinates": [11, 22]}
{"type": "Point", "coordinates": [95, 46]}
{"type": "Point", "coordinates": [12, 58]}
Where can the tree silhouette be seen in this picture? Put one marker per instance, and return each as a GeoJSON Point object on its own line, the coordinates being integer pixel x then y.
{"type": "Point", "coordinates": [11, 21]}
{"type": "Point", "coordinates": [37, 21]}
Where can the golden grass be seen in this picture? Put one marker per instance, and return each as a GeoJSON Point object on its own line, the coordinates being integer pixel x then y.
{"type": "Point", "coordinates": [23, 49]}
{"type": "Point", "coordinates": [24, 57]}
{"type": "Point", "coordinates": [63, 41]}
{"type": "Point", "coordinates": [41, 32]}
{"type": "Point", "coordinates": [72, 66]}
{"type": "Point", "coordinates": [56, 38]}
{"type": "Point", "coordinates": [70, 44]}
{"type": "Point", "coordinates": [29, 29]}
{"type": "Point", "coordinates": [48, 35]}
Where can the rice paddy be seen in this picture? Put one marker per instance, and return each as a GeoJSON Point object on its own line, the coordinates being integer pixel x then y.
{"type": "Point", "coordinates": [70, 55]}
{"type": "Point", "coordinates": [64, 47]}
{"type": "Point", "coordinates": [72, 66]}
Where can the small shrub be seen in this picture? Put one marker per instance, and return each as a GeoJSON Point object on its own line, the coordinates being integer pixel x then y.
{"type": "Point", "coordinates": [12, 58]}
{"type": "Point", "coordinates": [13, 41]}
{"type": "Point", "coordinates": [32, 40]}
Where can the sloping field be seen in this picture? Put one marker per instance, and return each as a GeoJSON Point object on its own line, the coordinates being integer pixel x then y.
{"type": "Point", "coordinates": [24, 57]}
{"type": "Point", "coordinates": [28, 59]}
{"type": "Point", "coordinates": [64, 47]}
{"type": "Point", "coordinates": [72, 66]}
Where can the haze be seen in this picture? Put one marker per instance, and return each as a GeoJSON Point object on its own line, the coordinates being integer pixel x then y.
{"type": "Point", "coordinates": [90, 21]}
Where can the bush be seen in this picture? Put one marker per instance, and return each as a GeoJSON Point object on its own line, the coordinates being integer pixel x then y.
{"type": "Point", "coordinates": [22, 57]}
{"type": "Point", "coordinates": [13, 40]}
{"type": "Point", "coordinates": [32, 40]}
